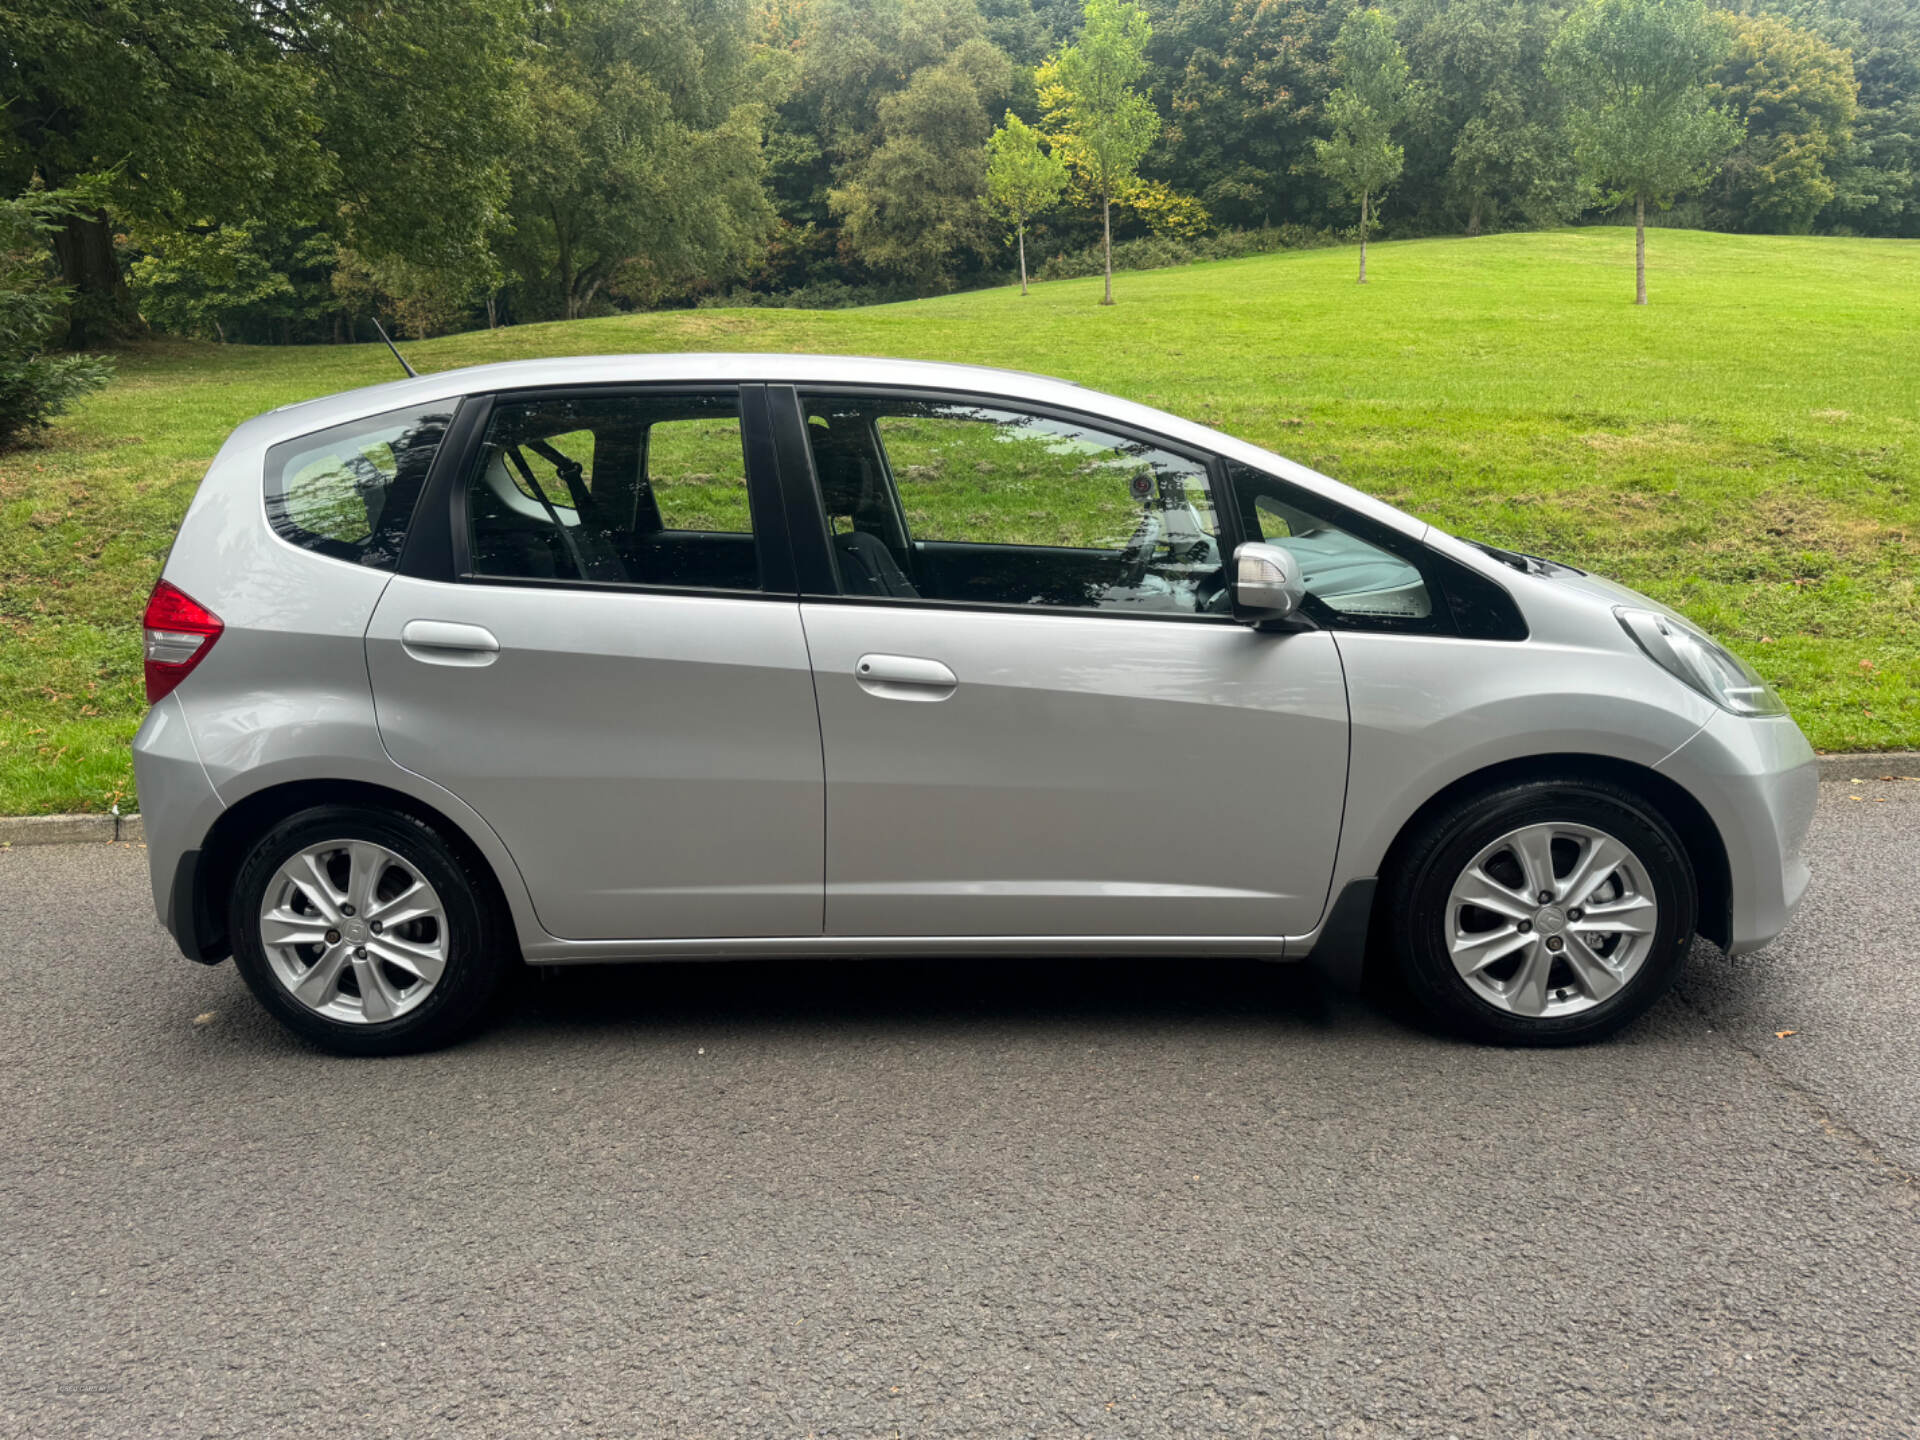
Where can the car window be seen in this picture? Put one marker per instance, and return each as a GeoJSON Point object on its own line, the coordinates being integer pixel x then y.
{"type": "Point", "coordinates": [1350, 577]}
{"type": "Point", "coordinates": [957, 501]}
{"type": "Point", "coordinates": [698, 474]}
{"type": "Point", "coordinates": [613, 489]}
{"type": "Point", "coordinates": [349, 491]}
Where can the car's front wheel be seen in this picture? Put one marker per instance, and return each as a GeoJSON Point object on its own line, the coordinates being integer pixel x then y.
{"type": "Point", "coordinates": [363, 931]}
{"type": "Point", "coordinates": [1545, 912]}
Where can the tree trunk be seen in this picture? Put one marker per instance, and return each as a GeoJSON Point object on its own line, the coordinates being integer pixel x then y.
{"type": "Point", "coordinates": [1364, 198]}
{"type": "Point", "coordinates": [1473, 217]}
{"type": "Point", "coordinates": [1106, 244]}
{"type": "Point", "coordinates": [1022, 229]}
{"type": "Point", "coordinates": [1639, 249]}
{"type": "Point", "coordinates": [102, 309]}
{"type": "Point", "coordinates": [567, 277]}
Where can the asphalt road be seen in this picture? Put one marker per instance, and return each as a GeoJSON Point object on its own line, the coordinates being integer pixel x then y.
{"type": "Point", "coordinates": [1024, 1199]}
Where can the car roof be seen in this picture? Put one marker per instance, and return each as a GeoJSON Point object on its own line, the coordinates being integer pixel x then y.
{"type": "Point", "coordinates": [307, 416]}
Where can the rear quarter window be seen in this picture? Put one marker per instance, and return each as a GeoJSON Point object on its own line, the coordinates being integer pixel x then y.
{"type": "Point", "coordinates": [349, 491]}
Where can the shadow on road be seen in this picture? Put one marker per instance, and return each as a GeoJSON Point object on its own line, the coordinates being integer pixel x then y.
{"type": "Point", "coordinates": [930, 992]}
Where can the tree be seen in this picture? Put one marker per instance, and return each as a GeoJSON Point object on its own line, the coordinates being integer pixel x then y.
{"type": "Point", "coordinates": [1098, 123]}
{"type": "Point", "coordinates": [1645, 127]}
{"type": "Point", "coordinates": [639, 150]}
{"type": "Point", "coordinates": [1878, 180]}
{"type": "Point", "coordinates": [1246, 82]}
{"type": "Point", "coordinates": [912, 206]}
{"type": "Point", "coordinates": [1024, 179]}
{"type": "Point", "coordinates": [1797, 95]}
{"type": "Point", "coordinates": [1489, 146]}
{"type": "Point", "coordinates": [379, 119]}
{"type": "Point", "coordinates": [1361, 157]}
{"type": "Point", "coordinates": [35, 386]}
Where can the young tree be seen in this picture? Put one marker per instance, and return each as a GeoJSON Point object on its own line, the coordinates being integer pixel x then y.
{"type": "Point", "coordinates": [1098, 123]}
{"type": "Point", "coordinates": [1361, 157]}
{"type": "Point", "coordinates": [1644, 123]}
{"type": "Point", "coordinates": [1024, 179]}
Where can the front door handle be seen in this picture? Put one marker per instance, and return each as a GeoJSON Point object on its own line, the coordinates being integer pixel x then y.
{"type": "Point", "coordinates": [446, 642]}
{"type": "Point", "coordinates": [904, 677]}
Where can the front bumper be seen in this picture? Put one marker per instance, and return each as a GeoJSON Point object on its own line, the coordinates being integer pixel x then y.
{"type": "Point", "coordinates": [1758, 782]}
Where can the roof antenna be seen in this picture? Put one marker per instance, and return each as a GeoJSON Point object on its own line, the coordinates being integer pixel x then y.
{"type": "Point", "coordinates": [412, 373]}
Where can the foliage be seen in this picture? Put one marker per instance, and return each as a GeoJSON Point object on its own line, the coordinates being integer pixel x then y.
{"type": "Point", "coordinates": [638, 141]}
{"type": "Point", "coordinates": [35, 386]}
{"type": "Point", "coordinates": [1097, 122]}
{"type": "Point", "coordinates": [1489, 146]}
{"type": "Point", "coordinates": [1100, 125]}
{"type": "Point", "coordinates": [1167, 211]}
{"type": "Point", "coordinates": [1644, 123]}
{"type": "Point", "coordinates": [1798, 97]}
{"type": "Point", "coordinates": [1157, 252]}
{"type": "Point", "coordinates": [202, 112]}
{"type": "Point", "coordinates": [912, 207]}
{"type": "Point", "coordinates": [1246, 81]}
{"type": "Point", "coordinates": [194, 282]}
{"type": "Point", "coordinates": [480, 161]}
{"type": "Point", "coordinates": [1362, 157]}
{"type": "Point", "coordinates": [1024, 178]}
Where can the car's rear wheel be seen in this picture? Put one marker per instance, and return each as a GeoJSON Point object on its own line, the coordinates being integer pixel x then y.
{"type": "Point", "coordinates": [365, 932]}
{"type": "Point", "coordinates": [1544, 913]}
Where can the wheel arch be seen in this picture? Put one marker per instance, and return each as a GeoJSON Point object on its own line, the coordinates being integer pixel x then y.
{"type": "Point", "coordinates": [247, 819]}
{"type": "Point", "coordinates": [1706, 851]}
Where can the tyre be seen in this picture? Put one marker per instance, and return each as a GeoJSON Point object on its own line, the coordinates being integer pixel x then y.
{"type": "Point", "coordinates": [1543, 913]}
{"type": "Point", "coordinates": [364, 932]}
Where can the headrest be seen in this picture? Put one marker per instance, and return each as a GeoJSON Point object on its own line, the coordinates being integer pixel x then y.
{"type": "Point", "coordinates": [843, 459]}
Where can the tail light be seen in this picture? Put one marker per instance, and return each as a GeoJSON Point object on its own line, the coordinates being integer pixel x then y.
{"type": "Point", "coordinates": [179, 633]}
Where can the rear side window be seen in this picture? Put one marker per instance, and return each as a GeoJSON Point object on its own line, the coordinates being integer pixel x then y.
{"type": "Point", "coordinates": [348, 492]}
{"type": "Point", "coordinates": [616, 489]}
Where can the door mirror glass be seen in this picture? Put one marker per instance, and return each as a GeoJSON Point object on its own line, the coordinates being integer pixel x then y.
{"type": "Point", "coordinates": [1266, 583]}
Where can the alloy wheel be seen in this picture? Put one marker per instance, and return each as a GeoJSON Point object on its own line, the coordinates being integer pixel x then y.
{"type": "Point", "coordinates": [354, 931]}
{"type": "Point", "coordinates": [1551, 920]}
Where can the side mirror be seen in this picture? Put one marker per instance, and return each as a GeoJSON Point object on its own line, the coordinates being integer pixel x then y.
{"type": "Point", "coordinates": [1266, 584]}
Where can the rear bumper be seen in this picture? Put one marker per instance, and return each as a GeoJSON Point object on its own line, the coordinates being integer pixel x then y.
{"type": "Point", "coordinates": [1759, 782]}
{"type": "Point", "coordinates": [178, 806]}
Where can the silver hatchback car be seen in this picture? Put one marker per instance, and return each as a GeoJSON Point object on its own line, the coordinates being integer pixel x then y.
{"type": "Point", "coordinates": [703, 656]}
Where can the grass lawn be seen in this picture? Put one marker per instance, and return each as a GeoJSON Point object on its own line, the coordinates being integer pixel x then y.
{"type": "Point", "coordinates": [1747, 448]}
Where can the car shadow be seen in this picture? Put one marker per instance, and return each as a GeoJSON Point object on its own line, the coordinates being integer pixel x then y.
{"type": "Point", "coordinates": [913, 993]}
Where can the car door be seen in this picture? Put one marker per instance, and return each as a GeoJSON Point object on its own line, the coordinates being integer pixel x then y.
{"type": "Point", "coordinates": [609, 664]}
{"type": "Point", "coordinates": [1037, 716]}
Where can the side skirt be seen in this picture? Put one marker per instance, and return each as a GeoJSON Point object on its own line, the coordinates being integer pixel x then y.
{"type": "Point", "coordinates": [600, 952]}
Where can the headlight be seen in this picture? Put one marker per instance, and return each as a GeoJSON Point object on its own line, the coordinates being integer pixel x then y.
{"type": "Point", "coordinates": [1695, 658]}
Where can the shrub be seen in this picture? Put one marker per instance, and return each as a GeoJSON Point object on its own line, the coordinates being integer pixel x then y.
{"type": "Point", "coordinates": [1155, 252]}
{"type": "Point", "coordinates": [35, 386]}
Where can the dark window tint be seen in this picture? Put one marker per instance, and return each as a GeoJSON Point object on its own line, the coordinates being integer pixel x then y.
{"type": "Point", "coordinates": [939, 500]}
{"type": "Point", "coordinates": [349, 491]}
{"type": "Point", "coordinates": [621, 489]}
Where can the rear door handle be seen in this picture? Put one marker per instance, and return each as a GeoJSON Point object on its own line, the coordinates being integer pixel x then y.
{"type": "Point", "coordinates": [904, 677]}
{"type": "Point", "coordinates": [446, 642]}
